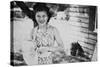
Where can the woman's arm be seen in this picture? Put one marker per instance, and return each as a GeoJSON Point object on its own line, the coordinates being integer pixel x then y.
{"type": "Point", "coordinates": [58, 40]}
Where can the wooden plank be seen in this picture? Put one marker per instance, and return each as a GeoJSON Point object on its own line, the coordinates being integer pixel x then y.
{"type": "Point", "coordinates": [88, 50]}
{"type": "Point", "coordinates": [79, 24]}
{"type": "Point", "coordinates": [78, 10]}
{"type": "Point", "coordinates": [88, 54]}
{"type": "Point", "coordinates": [83, 44]}
{"type": "Point", "coordinates": [77, 34]}
{"type": "Point", "coordinates": [92, 37]}
{"type": "Point", "coordinates": [75, 24]}
{"type": "Point", "coordinates": [77, 19]}
{"type": "Point", "coordinates": [81, 34]}
{"type": "Point", "coordinates": [93, 33]}
{"type": "Point", "coordinates": [84, 25]}
{"type": "Point", "coordinates": [89, 32]}
{"type": "Point", "coordinates": [72, 25]}
{"type": "Point", "coordinates": [85, 20]}
{"type": "Point", "coordinates": [84, 15]}
{"type": "Point", "coordinates": [89, 41]}
{"type": "Point", "coordinates": [74, 9]}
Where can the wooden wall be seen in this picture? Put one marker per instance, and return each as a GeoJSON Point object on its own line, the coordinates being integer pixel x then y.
{"type": "Point", "coordinates": [78, 27]}
{"type": "Point", "coordinates": [80, 19]}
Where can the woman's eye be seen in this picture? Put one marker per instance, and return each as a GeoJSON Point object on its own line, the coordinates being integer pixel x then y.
{"type": "Point", "coordinates": [38, 16]}
{"type": "Point", "coordinates": [44, 16]}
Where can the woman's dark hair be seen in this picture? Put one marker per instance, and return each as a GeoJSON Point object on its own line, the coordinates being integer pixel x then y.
{"type": "Point", "coordinates": [41, 7]}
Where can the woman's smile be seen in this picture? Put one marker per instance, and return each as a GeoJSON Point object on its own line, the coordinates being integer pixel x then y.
{"type": "Point", "coordinates": [42, 21]}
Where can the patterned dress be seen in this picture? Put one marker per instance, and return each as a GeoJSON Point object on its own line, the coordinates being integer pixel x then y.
{"type": "Point", "coordinates": [42, 41]}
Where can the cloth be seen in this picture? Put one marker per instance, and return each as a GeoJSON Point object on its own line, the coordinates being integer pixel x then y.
{"type": "Point", "coordinates": [44, 40]}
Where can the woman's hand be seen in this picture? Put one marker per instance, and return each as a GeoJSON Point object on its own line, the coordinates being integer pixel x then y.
{"type": "Point", "coordinates": [43, 49]}
{"type": "Point", "coordinates": [53, 49]}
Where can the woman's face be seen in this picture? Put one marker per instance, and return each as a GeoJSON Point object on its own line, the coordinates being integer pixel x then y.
{"type": "Point", "coordinates": [41, 17]}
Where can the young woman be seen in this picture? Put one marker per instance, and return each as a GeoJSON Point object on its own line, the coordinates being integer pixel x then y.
{"type": "Point", "coordinates": [43, 37]}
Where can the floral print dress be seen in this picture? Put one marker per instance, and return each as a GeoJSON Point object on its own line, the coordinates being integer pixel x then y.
{"type": "Point", "coordinates": [42, 41]}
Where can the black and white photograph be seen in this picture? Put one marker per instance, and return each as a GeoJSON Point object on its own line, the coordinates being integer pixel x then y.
{"type": "Point", "coordinates": [45, 33]}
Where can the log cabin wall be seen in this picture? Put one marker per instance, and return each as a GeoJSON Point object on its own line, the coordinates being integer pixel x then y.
{"type": "Point", "coordinates": [77, 23]}
{"type": "Point", "coordinates": [82, 20]}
